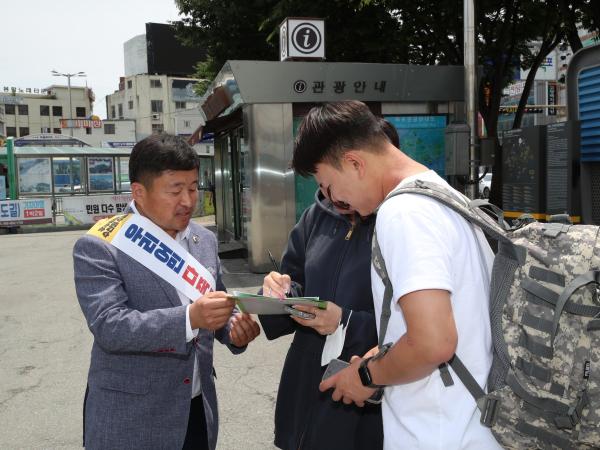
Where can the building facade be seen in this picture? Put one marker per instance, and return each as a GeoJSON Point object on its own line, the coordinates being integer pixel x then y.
{"type": "Point", "coordinates": [26, 113]}
{"type": "Point", "coordinates": [105, 133]}
{"type": "Point", "coordinates": [157, 103]}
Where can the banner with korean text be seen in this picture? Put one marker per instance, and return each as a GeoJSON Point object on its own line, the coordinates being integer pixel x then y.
{"type": "Point", "coordinates": [148, 244]}
{"type": "Point", "coordinates": [25, 212]}
{"type": "Point", "coordinates": [80, 210]}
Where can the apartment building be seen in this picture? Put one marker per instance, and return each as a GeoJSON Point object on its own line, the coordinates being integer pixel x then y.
{"type": "Point", "coordinates": [157, 90]}
{"type": "Point", "coordinates": [25, 111]}
{"type": "Point", "coordinates": [157, 103]}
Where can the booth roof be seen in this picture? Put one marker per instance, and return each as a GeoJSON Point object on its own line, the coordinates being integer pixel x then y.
{"type": "Point", "coordinates": [67, 151]}
{"type": "Point", "coordinates": [250, 82]}
{"type": "Point", "coordinates": [317, 82]}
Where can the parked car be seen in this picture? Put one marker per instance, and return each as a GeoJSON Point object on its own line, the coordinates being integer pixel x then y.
{"type": "Point", "coordinates": [485, 184]}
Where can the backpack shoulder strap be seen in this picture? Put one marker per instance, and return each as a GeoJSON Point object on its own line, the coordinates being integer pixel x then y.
{"type": "Point", "coordinates": [472, 211]}
{"type": "Point", "coordinates": [388, 293]}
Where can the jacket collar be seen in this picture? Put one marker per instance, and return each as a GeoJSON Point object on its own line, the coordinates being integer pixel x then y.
{"type": "Point", "coordinates": [326, 205]}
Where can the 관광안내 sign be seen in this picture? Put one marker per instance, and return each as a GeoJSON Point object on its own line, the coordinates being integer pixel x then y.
{"type": "Point", "coordinates": [24, 212]}
{"type": "Point", "coordinates": [82, 210]}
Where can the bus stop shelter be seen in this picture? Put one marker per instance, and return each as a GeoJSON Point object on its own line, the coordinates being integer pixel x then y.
{"type": "Point", "coordinates": [79, 184]}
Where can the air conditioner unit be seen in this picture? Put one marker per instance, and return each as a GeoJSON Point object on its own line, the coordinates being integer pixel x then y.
{"type": "Point", "coordinates": [155, 116]}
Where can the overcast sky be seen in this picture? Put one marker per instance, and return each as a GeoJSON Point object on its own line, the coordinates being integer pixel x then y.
{"type": "Point", "coordinates": [72, 36]}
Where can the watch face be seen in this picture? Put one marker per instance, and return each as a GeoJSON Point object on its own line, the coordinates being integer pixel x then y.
{"type": "Point", "coordinates": [364, 374]}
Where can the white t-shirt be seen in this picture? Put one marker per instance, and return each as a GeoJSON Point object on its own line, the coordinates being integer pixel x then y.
{"type": "Point", "coordinates": [426, 245]}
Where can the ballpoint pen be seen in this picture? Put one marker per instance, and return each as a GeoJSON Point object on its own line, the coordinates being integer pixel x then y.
{"type": "Point", "coordinates": [275, 265]}
{"type": "Point", "coordinates": [290, 309]}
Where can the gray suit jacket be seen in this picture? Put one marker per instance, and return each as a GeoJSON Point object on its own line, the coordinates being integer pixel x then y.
{"type": "Point", "coordinates": [141, 369]}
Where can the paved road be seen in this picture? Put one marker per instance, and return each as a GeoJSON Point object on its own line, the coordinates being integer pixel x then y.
{"type": "Point", "coordinates": [45, 345]}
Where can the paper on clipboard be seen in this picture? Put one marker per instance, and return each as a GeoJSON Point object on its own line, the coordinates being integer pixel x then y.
{"type": "Point", "coordinates": [258, 304]}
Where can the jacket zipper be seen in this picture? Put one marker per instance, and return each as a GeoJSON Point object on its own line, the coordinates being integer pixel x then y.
{"type": "Point", "coordinates": [343, 256]}
{"type": "Point", "coordinates": [337, 275]}
{"type": "Point", "coordinates": [350, 231]}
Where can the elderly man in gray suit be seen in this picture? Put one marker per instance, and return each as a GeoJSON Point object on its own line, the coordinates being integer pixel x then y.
{"type": "Point", "coordinates": [151, 377]}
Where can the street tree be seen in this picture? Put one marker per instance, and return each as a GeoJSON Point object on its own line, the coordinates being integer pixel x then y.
{"type": "Point", "coordinates": [230, 29]}
{"type": "Point", "coordinates": [396, 31]}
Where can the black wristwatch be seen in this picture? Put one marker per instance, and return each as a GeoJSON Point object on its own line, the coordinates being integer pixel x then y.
{"type": "Point", "coordinates": [363, 370]}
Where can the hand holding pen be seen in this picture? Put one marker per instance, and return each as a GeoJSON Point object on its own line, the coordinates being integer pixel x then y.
{"type": "Point", "coordinates": [276, 284]}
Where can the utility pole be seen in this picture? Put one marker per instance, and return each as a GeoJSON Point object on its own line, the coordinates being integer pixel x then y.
{"type": "Point", "coordinates": [69, 75]}
{"type": "Point", "coordinates": [470, 63]}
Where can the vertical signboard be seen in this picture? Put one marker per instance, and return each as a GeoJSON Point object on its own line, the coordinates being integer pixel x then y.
{"type": "Point", "coordinates": [552, 100]}
{"type": "Point", "coordinates": [562, 165]}
{"type": "Point", "coordinates": [523, 169]}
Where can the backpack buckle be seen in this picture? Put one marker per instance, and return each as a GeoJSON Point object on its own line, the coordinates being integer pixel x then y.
{"type": "Point", "coordinates": [489, 411]}
{"type": "Point", "coordinates": [569, 420]}
{"type": "Point", "coordinates": [573, 416]}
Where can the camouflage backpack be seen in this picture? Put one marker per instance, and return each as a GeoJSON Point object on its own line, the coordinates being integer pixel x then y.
{"type": "Point", "coordinates": [544, 384]}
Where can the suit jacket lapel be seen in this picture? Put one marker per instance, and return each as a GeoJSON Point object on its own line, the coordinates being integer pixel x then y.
{"type": "Point", "coordinates": [170, 291]}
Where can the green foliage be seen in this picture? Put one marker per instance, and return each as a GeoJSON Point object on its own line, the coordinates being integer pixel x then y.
{"type": "Point", "coordinates": [227, 29]}
{"type": "Point", "coordinates": [392, 31]}
{"type": "Point", "coordinates": [248, 30]}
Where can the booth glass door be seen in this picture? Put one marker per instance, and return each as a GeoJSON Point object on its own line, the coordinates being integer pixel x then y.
{"type": "Point", "coordinates": [232, 187]}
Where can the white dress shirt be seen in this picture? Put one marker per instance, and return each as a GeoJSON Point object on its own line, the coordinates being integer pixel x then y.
{"type": "Point", "coordinates": [183, 239]}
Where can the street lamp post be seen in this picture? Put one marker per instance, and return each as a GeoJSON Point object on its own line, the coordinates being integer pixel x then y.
{"type": "Point", "coordinates": [69, 75]}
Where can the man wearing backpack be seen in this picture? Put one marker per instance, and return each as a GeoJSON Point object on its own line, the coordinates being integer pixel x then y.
{"type": "Point", "coordinates": [439, 268]}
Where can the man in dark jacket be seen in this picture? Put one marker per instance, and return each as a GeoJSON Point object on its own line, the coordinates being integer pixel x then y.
{"type": "Point", "coordinates": [328, 256]}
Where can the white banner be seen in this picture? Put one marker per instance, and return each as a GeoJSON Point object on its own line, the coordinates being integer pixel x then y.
{"type": "Point", "coordinates": [148, 244]}
{"type": "Point", "coordinates": [80, 210]}
{"type": "Point", "coordinates": [23, 212]}
{"type": "Point", "coordinates": [546, 71]}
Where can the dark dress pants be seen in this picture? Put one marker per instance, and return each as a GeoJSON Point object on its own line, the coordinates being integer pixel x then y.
{"type": "Point", "coordinates": [196, 437]}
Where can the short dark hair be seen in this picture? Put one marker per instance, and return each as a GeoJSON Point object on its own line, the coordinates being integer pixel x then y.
{"type": "Point", "coordinates": [331, 129]}
{"type": "Point", "coordinates": [391, 132]}
{"type": "Point", "coordinates": [157, 153]}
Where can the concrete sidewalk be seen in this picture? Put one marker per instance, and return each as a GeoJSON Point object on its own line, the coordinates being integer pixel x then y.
{"type": "Point", "coordinates": [45, 345]}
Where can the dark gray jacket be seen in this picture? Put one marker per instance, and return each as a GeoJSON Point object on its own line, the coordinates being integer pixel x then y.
{"type": "Point", "coordinates": [324, 259]}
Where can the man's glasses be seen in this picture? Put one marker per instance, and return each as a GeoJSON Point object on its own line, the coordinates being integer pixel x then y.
{"type": "Point", "coordinates": [337, 204]}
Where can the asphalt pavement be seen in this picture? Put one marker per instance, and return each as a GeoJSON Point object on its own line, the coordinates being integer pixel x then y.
{"type": "Point", "coordinates": [45, 347]}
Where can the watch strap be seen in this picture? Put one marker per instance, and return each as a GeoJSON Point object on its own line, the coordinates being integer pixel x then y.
{"type": "Point", "coordinates": [365, 374]}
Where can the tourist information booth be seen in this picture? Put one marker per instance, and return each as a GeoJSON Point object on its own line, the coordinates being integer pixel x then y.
{"type": "Point", "coordinates": [254, 109]}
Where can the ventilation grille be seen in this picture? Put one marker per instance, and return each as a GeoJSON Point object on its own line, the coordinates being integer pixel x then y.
{"type": "Point", "coordinates": [589, 113]}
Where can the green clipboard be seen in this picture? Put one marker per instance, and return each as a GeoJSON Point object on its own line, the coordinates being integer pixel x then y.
{"type": "Point", "coordinates": [259, 304]}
